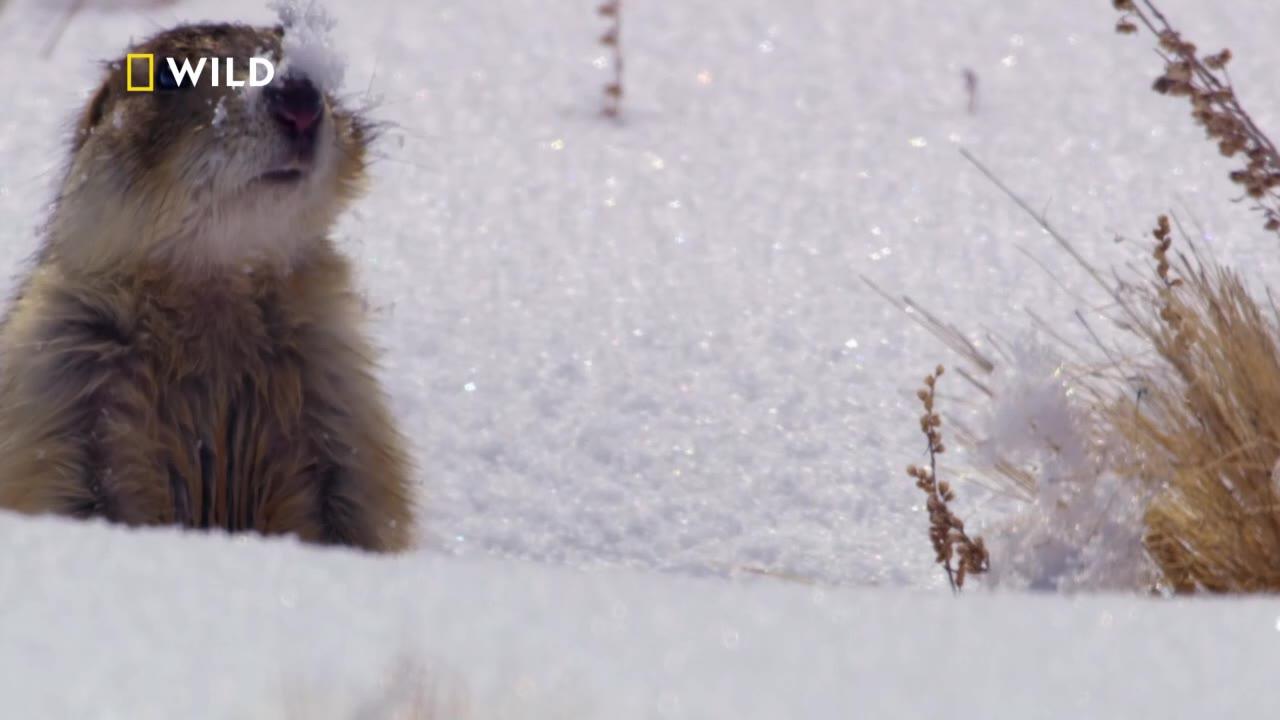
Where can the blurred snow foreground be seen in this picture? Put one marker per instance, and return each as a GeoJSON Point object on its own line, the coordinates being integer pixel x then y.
{"type": "Point", "coordinates": [630, 352]}
{"type": "Point", "coordinates": [102, 622]}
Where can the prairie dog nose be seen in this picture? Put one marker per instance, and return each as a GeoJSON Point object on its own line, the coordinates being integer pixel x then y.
{"type": "Point", "coordinates": [296, 104]}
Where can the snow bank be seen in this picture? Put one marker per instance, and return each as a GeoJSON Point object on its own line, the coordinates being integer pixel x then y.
{"type": "Point", "coordinates": [103, 622]}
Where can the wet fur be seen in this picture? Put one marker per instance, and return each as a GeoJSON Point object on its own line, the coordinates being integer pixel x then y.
{"type": "Point", "coordinates": [151, 376]}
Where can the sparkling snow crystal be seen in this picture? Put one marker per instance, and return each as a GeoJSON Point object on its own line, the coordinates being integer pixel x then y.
{"type": "Point", "coordinates": [219, 112]}
{"type": "Point", "coordinates": [1082, 528]}
{"type": "Point", "coordinates": [308, 47]}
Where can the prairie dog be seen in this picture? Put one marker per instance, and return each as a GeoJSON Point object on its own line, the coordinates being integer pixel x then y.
{"type": "Point", "coordinates": [187, 348]}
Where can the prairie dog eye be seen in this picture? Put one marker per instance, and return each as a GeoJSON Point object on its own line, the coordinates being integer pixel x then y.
{"type": "Point", "coordinates": [165, 79]}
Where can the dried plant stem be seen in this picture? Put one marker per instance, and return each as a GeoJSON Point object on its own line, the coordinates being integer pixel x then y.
{"type": "Point", "coordinates": [1204, 81]}
{"type": "Point", "coordinates": [958, 555]}
{"type": "Point", "coordinates": [612, 39]}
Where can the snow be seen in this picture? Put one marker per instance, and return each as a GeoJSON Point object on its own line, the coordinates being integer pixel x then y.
{"type": "Point", "coordinates": [101, 622]}
{"type": "Point", "coordinates": [219, 113]}
{"type": "Point", "coordinates": [628, 353]}
{"type": "Point", "coordinates": [1080, 527]}
{"type": "Point", "coordinates": [308, 43]}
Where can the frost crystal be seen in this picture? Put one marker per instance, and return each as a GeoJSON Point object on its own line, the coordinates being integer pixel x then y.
{"type": "Point", "coordinates": [220, 112]}
{"type": "Point", "coordinates": [1081, 528]}
{"type": "Point", "coordinates": [308, 47]}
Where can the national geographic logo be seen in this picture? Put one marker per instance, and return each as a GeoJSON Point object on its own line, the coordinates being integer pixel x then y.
{"type": "Point", "coordinates": [141, 74]}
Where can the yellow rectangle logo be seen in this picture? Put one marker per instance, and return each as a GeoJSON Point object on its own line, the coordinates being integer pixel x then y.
{"type": "Point", "coordinates": [151, 72]}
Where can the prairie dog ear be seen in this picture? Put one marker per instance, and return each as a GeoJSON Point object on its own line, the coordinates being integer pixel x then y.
{"type": "Point", "coordinates": [91, 116]}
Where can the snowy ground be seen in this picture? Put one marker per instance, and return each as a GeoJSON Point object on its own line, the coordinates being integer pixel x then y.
{"type": "Point", "coordinates": [647, 346]}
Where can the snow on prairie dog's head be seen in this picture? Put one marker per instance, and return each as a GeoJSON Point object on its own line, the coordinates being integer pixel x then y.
{"type": "Point", "coordinates": [202, 173]}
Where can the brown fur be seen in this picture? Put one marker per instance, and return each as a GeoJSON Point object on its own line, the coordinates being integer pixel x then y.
{"type": "Point", "coordinates": [147, 383]}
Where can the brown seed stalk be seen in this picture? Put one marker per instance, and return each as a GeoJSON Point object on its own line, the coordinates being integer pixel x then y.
{"type": "Point", "coordinates": [958, 555]}
{"type": "Point", "coordinates": [612, 40]}
{"type": "Point", "coordinates": [1205, 82]}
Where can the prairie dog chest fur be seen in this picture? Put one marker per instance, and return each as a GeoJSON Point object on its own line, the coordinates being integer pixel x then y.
{"type": "Point", "coordinates": [188, 348]}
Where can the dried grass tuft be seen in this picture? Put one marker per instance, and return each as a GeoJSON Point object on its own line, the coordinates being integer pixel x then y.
{"type": "Point", "coordinates": [1201, 436]}
{"type": "Point", "coordinates": [1209, 431]}
{"type": "Point", "coordinates": [1206, 432]}
{"type": "Point", "coordinates": [1200, 439]}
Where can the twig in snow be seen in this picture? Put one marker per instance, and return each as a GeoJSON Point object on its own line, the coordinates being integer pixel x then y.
{"type": "Point", "coordinates": [612, 39]}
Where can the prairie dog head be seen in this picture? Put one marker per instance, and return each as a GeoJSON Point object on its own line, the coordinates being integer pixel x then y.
{"type": "Point", "coordinates": [204, 175]}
